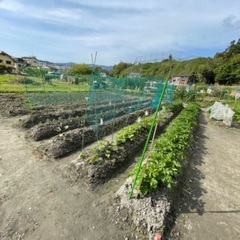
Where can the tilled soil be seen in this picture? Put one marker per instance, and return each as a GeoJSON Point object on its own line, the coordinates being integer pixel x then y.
{"type": "Point", "coordinates": [36, 202]}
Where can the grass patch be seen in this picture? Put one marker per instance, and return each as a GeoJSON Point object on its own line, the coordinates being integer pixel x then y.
{"type": "Point", "coordinates": [21, 84]}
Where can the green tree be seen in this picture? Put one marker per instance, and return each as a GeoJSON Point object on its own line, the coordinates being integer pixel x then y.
{"type": "Point", "coordinates": [80, 69]}
{"type": "Point", "coordinates": [35, 71]}
{"type": "Point", "coordinates": [119, 68]}
{"type": "Point", "coordinates": [208, 75]}
{"type": "Point", "coordinates": [224, 68]}
{"type": "Point", "coordinates": [4, 69]}
{"type": "Point", "coordinates": [225, 74]}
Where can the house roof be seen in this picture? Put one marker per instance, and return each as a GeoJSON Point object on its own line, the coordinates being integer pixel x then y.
{"type": "Point", "coordinates": [134, 74]}
{"type": "Point", "coordinates": [5, 54]}
{"type": "Point", "coordinates": [182, 75]}
{"type": "Point", "coordinates": [19, 60]}
{"type": "Point", "coordinates": [31, 57]}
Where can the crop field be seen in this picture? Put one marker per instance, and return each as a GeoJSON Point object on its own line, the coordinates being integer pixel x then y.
{"type": "Point", "coordinates": [73, 124]}
{"type": "Point", "coordinates": [107, 134]}
{"type": "Point", "coordinates": [96, 134]}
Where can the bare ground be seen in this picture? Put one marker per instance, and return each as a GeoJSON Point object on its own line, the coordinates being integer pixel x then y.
{"type": "Point", "coordinates": [37, 202]}
{"type": "Point", "coordinates": [210, 200]}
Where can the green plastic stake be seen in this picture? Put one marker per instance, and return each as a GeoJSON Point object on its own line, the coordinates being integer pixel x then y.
{"type": "Point", "coordinates": [148, 139]}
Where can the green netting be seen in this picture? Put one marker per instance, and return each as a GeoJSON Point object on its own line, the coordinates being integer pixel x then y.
{"type": "Point", "coordinates": [168, 95]}
{"type": "Point", "coordinates": [102, 98]}
{"type": "Point", "coordinates": [41, 90]}
{"type": "Point", "coordinates": [119, 95]}
{"type": "Point", "coordinates": [110, 98]}
{"type": "Point", "coordinates": [56, 98]}
{"type": "Point", "coordinates": [114, 97]}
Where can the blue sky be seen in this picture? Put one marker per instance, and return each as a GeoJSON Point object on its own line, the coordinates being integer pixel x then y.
{"type": "Point", "coordinates": [119, 30]}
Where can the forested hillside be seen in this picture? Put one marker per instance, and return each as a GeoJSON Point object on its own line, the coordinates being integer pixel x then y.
{"type": "Point", "coordinates": [223, 68]}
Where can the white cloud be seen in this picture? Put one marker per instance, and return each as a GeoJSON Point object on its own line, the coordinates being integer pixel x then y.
{"type": "Point", "coordinates": [121, 4]}
{"type": "Point", "coordinates": [10, 5]}
{"type": "Point", "coordinates": [118, 30]}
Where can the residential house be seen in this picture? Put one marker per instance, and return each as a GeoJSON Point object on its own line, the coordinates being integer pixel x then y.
{"type": "Point", "coordinates": [182, 80]}
{"type": "Point", "coordinates": [103, 74]}
{"type": "Point", "coordinates": [32, 61]}
{"type": "Point", "coordinates": [20, 63]}
{"type": "Point", "coordinates": [134, 75]}
{"type": "Point", "coordinates": [6, 59]}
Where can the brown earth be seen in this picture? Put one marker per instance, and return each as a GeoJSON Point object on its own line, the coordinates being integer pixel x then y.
{"type": "Point", "coordinates": [37, 202]}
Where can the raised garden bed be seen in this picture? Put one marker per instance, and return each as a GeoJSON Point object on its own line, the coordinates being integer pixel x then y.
{"type": "Point", "coordinates": [57, 126]}
{"type": "Point", "coordinates": [53, 128]}
{"type": "Point", "coordinates": [98, 165]}
{"type": "Point", "coordinates": [72, 140]}
{"type": "Point", "coordinates": [152, 203]}
{"type": "Point", "coordinates": [42, 117]}
{"type": "Point", "coordinates": [52, 113]}
{"type": "Point", "coordinates": [13, 104]}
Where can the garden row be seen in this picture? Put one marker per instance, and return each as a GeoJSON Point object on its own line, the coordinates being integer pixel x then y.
{"type": "Point", "coordinates": [159, 182]}
{"type": "Point", "coordinates": [166, 160]}
{"type": "Point", "coordinates": [47, 99]}
{"type": "Point", "coordinates": [99, 163]}
{"type": "Point", "coordinates": [68, 142]}
{"type": "Point", "coordinates": [62, 113]}
{"type": "Point", "coordinates": [58, 126]}
{"type": "Point", "coordinates": [57, 98]}
{"type": "Point", "coordinates": [13, 104]}
{"type": "Point", "coordinates": [69, 120]}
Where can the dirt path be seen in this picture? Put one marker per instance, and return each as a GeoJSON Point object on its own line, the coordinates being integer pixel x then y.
{"type": "Point", "coordinates": [36, 202]}
{"type": "Point", "coordinates": [210, 204]}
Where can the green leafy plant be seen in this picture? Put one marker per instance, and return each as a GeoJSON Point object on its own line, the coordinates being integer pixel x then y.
{"type": "Point", "coordinates": [165, 161]}
{"type": "Point", "coordinates": [82, 154]}
{"type": "Point", "coordinates": [93, 159]}
{"type": "Point", "coordinates": [103, 149]}
{"type": "Point", "coordinates": [129, 133]}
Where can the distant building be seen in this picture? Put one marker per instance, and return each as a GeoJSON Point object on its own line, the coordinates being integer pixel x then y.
{"type": "Point", "coordinates": [182, 80]}
{"type": "Point", "coordinates": [32, 61]}
{"type": "Point", "coordinates": [47, 65]}
{"type": "Point", "coordinates": [134, 74]}
{"type": "Point", "coordinates": [6, 60]}
{"type": "Point", "coordinates": [103, 74]}
{"type": "Point", "coordinates": [19, 63]}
